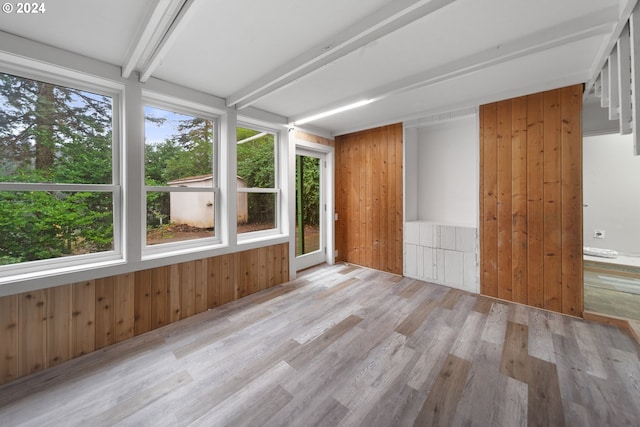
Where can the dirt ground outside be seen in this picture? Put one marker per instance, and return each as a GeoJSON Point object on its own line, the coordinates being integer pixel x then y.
{"type": "Point", "coordinates": [180, 232]}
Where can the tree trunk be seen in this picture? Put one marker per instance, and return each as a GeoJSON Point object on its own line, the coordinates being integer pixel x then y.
{"type": "Point", "coordinates": [45, 118]}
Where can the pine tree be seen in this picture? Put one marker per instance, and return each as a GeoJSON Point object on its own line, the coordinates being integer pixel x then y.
{"type": "Point", "coordinates": [50, 133]}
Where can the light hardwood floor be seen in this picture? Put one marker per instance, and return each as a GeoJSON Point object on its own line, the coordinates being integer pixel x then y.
{"type": "Point", "coordinates": [345, 345]}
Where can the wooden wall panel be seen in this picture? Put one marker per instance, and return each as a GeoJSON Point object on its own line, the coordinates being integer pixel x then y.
{"type": "Point", "coordinates": [159, 297]}
{"type": "Point", "coordinates": [519, 200]}
{"type": "Point", "coordinates": [552, 203]}
{"type": "Point", "coordinates": [535, 203]}
{"type": "Point", "coordinates": [489, 199]}
{"type": "Point", "coordinates": [124, 307]}
{"type": "Point", "coordinates": [571, 163]}
{"type": "Point", "coordinates": [59, 324]}
{"type": "Point", "coordinates": [83, 317]}
{"type": "Point", "coordinates": [32, 339]}
{"type": "Point", "coordinates": [104, 303]}
{"type": "Point", "coordinates": [369, 198]}
{"type": "Point", "coordinates": [9, 338]}
{"type": "Point", "coordinates": [142, 298]}
{"type": "Point", "coordinates": [531, 203]}
{"type": "Point", "coordinates": [503, 139]}
{"type": "Point", "coordinates": [43, 328]}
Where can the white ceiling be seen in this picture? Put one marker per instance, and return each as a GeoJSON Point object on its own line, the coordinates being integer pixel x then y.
{"type": "Point", "coordinates": [297, 58]}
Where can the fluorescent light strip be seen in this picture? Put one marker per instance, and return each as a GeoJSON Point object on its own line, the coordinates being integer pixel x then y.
{"type": "Point", "coordinates": [334, 111]}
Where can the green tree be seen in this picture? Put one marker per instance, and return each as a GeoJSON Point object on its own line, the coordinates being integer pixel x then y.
{"type": "Point", "coordinates": [187, 152]}
{"type": "Point", "coordinates": [50, 133]}
{"type": "Point", "coordinates": [256, 167]}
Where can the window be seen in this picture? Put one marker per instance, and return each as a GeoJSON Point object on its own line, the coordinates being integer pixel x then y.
{"type": "Point", "coordinates": [257, 180]}
{"type": "Point", "coordinates": [180, 175]}
{"type": "Point", "coordinates": [59, 183]}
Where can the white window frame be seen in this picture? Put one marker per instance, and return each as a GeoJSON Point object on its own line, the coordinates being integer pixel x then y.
{"type": "Point", "coordinates": [277, 230]}
{"type": "Point", "coordinates": [182, 106]}
{"type": "Point", "coordinates": [58, 76]}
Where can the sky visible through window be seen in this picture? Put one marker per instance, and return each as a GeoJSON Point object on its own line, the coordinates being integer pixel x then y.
{"type": "Point", "coordinates": [156, 133]}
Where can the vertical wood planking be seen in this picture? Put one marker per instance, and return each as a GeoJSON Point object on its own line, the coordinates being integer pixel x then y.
{"type": "Point", "coordinates": [32, 348]}
{"type": "Point", "coordinates": [59, 324]}
{"type": "Point", "coordinates": [369, 198]}
{"type": "Point", "coordinates": [572, 259]}
{"type": "Point", "coordinates": [535, 204]}
{"type": "Point", "coordinates": [375, 194]}
{"type": "Point", "coordinates": [9, 330]}
{"type": "Point", "coordinates": [398, 196]}
{"type": "Point", "coordinates": [142, 299]}
{"type": "Point", "coordinates": [552, 191]}
{"type": "Point", "coordinates": [519, 200]}
{"type": "Point", "coordinates": [83, 317]}
{"type": "Point", "coordinates": [361, 243]}
{"type": "Point", "coordinates": [201, 274]}
{"type": "Point", "coordinates": [159, 297]}
{"type": "Point", "coordinates": [105, 316]}
{"type": "Point", "coordinates": [187, 284]}
{"type": "Point", "coordinates": [124, 307]}
{"type": "Point", "coordinates": [489, 220]}
{"type": "Point", "coordinates": [385, 209]}
{"type": "Point", "coordinates": [43, 328]}
{"type": "Point", "coordinates": [173, 293]}
{"type": "Point", "coordinates": [504, 182]}
{"type": "Point", "coordinates": [532, 228]}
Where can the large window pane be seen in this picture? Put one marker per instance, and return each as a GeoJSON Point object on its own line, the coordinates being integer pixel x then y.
{"type": "Point", "coordinates": [183, 216]}
{"type": "Point", "coordinates": [179, 154]}
{"type": "Point", "coordinates": [177, 146]}
{"type": "Point", "coordinates": [256, 158]}
{"type": "Point", "coordinates": [256, 211]}
{"type": "Point", "coordinates": [38, 225]}
{"type": "Point", "coordinates": [53, 134]}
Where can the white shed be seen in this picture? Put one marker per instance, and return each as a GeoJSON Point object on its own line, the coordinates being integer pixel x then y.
{"type": "Point", "coordinates": [196, 209]}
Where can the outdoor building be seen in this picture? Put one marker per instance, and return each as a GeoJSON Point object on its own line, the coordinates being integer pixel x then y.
{"type": "Point", "coordinates": [196, 209]}
{"type": "Point", "coordinates": [320, 212]}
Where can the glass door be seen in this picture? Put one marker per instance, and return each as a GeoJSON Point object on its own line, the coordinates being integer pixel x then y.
{"type": "Point", "coordinates": [310, 205]}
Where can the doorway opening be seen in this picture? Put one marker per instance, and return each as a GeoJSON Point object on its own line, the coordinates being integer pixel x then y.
{"type": "Point", "coordinates": [311, 208]}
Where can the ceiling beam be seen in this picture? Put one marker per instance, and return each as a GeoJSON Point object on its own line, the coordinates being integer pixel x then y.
{"type": "Point", "coordinates": [578, 29]}
{"type": "Point", "coordinates": [158, 20]}
{"type": "Point", "coordinates": [385, 20]}
{"type": "Point", "coordinates": [181, 16]}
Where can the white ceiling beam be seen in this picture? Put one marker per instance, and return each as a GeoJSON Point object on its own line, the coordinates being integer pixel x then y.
{"type": "Point", "coordinates": [385, 20]}
{"type": "Point", "coordinates": [181, 18]}
{"type": "Point", "coordinates": [594, 24]}
{"type": "Point", "coordinates": [614, 85]}
{"type": "Point", "coordinates": [624, 68]}
{"type": "Point", "coordinates": [606, 86]}
{"type": "Point", "coordinates": [603, 55]}
{"type": "Point", "coordinates": [158, 20]}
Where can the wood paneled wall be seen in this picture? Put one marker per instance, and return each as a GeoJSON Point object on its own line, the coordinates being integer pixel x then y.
{"type": "Point", "coordinates": [369, 198]}
{"type": "Point", "coordinates": [531, 200]}
{"type": "Point", "coordinates": [43, 328]}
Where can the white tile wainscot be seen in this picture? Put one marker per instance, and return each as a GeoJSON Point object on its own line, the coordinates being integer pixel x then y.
{"type": "Point", "coordinates": [444, 254]}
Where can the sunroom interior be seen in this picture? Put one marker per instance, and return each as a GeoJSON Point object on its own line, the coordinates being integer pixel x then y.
{"type": "Point", "coordinates": [165, 158]}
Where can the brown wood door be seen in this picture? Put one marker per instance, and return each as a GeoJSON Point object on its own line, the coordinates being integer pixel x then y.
{"type": "Point", "coordinates": [531, 200]}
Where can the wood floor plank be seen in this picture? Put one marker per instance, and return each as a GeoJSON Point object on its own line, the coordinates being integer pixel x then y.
{"type": "Point", "coordinates": [316, 346]}
{"type": "Point", "coordinates": [442, 401]}
{"type": "Point", "coordinates": [376, 352]}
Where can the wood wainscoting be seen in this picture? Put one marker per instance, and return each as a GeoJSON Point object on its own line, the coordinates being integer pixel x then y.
{"type": "Point", "coordinates": [41, 329]}
{"type": "Point", "coordinates": [531, 200]}
{"type": "Point", "coordinates": [369, 198]}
